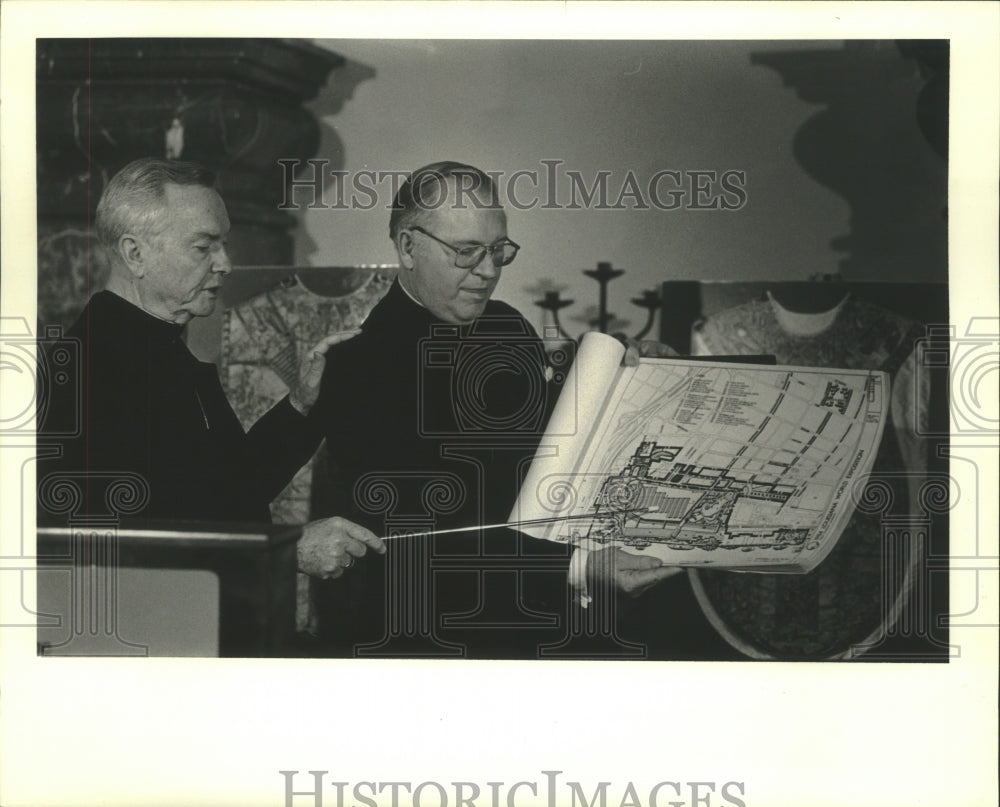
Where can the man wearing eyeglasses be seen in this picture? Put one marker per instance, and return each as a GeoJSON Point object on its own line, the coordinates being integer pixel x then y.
{"type": "Point", "coordinates": [449, 392]}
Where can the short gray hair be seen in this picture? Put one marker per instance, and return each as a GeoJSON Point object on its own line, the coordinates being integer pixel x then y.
{"type": "Point", "coordinates": [132, 199]}
{"type": "Point", "coordinates": [422, 191]}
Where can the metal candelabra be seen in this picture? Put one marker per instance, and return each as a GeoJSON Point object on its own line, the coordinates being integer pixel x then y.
{"type": "Point", "coordinates": [603, 274]}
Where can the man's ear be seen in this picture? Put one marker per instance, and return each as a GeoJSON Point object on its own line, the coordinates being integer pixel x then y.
{"type": "Point", "coordinates": [130, 250]}
{"type": "Point", "coordinates": [404, 247]}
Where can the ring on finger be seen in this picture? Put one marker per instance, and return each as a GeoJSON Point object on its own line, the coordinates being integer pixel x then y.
{"type": "Point", "coordinates": [349, 562]}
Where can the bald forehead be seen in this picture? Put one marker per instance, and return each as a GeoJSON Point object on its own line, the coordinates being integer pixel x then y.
{"type": "Point", "coordinates": [456, 200]}
{"type": "Point", "coordinates": [459, 191]}
{"type": "Point", "coordinates": [467, 222]}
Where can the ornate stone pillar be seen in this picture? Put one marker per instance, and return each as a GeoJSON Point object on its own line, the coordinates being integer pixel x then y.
{"type": "Point", "coordinates": [235, 105]}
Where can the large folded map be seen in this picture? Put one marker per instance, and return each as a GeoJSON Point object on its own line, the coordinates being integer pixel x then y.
{"type": "Point", "coordinates": [710, 464]}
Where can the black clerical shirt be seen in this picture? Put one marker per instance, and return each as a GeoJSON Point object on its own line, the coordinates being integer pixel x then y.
{"type": "Point", "coordinates": [137, 403]}
{"type": "Point", "coordinates": [429, 426]}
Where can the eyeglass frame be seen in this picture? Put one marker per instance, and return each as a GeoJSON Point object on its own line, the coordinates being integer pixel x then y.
{"type": "Point", "coordinates": [488, 249]}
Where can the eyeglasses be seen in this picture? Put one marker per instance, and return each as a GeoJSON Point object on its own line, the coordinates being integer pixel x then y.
{"type": "Point", "coordinates": [501, 252]}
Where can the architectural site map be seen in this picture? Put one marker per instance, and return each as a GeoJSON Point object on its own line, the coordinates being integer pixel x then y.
{"type": "Point", "coordinates": [704, 463]}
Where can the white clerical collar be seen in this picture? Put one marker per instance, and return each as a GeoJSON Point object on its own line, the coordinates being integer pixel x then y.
{"type": "Point", "coordinates": [796, 324]}
{"type": "Point", "coordinates": [406, 291]}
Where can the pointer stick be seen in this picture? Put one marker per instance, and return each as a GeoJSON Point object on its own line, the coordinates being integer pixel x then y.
{"type": "Point", "coordinates": [528, 523]}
